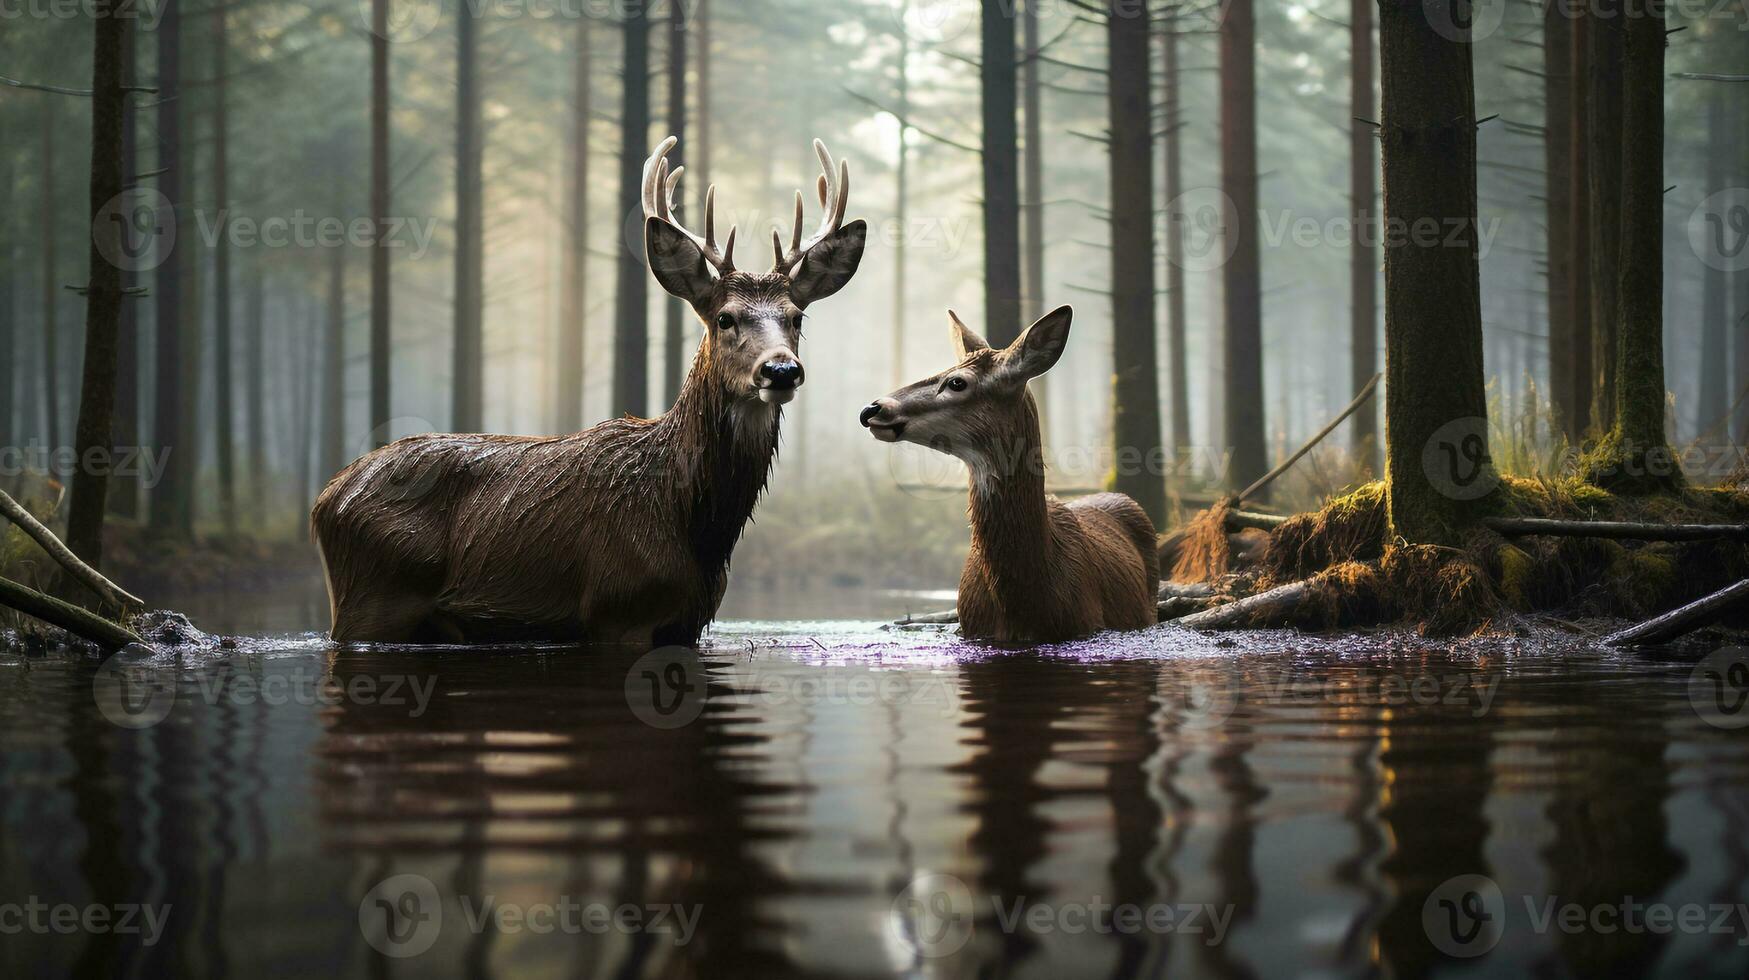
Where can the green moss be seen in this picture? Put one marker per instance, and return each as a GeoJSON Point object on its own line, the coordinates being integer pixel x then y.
{"type": "Point", "coordinates": [1517, 574]}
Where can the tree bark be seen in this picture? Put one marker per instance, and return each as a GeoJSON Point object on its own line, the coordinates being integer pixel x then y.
{"type": "Point", "coordinates": [380, 202]}
{"type": "Point", "coordinates": [1241, 276]}
{"type": "Point", "coordinates": [574, 297]}
{"type": "Point", "coordinates": [1604, 96]}
{"type": "Point", "coordinates": [167, 497]}
{"type": "Point", "coordinates": [93, 434]}
{"type": "Point", "coordinates": [631, 332]}
{"type": "Point", "coordinates": [1576, 420]}
{"type": "Point", "coordinates": [1635, 456]}
{"type": "Point", "coordinates": [468, 369]}
{"type": "Point", "coordinates": [1135, 371]}
{"type": "Point", "coordinates": [1001, 175]}
{"type": "Point", "coordinates": [674, 362]}
{"type": "Point", "coordinates": [1557, 164]}
{"type": "Point", "coordinates": [1433, 321]}
{"type": "Point", "coordinates": [1363, 255]}
{"type": "Point", "coordinates": [1178, 372]}
{"type": "Point", "coordinates": [223, 390]}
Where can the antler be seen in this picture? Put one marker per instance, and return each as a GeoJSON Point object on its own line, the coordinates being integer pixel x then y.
{"type": "Point", "coordinates": [659, 187]}
{"type": "Point", "coordinates": [833, 198]}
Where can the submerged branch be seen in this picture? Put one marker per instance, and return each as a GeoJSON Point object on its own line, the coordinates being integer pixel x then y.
{"type": "Point", "coordinates": [1683, 619]}
{"type": "Point", "coordinates": [67, 616]}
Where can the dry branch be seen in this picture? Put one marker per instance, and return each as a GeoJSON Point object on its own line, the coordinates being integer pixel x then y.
{"type": "Point", "coordinates": [67, 616]}
{"type": "Point", "coordinates": [1273, 607]}
{"type": "Point", "coordinates": [1518, 526]}
{"type": "Point", "coordinates": [1682, 620]}
{"type": "Point", "coordinates": [90, 577]}
{"type": "Point", "coordinates": [1268, 478]}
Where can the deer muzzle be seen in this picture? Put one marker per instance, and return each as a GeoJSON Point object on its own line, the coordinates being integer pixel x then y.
{"type": "Point", "coordinates": [778, 379]}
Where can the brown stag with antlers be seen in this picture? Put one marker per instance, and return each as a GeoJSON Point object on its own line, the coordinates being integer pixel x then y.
{"type": "Point", "coordinates": [621, 532]}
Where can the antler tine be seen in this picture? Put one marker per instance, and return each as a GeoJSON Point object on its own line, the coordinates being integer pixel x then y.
{"type": "Point", "coordinates": [834, 199]}
{"type": "Point", "coordinates": [658, 195]}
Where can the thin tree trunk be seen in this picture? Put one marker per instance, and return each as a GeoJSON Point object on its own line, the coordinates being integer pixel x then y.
{"type": "Point", "coordinates": [467, 371]}
{"type": "Point", "coordinates": [1604, 96]}
{"type": "Point", "coordinates": [380, 203]}
{"type": "Point", "coordinates": [1635, 457]}
{"type": "Point", "coordinates": [1135, 363]}
{"type": "Point", "coordinates": [1714, 399]}
{"type": "Point", "coordinates": [902, 200]}
{"type": "Point", "coordinates": [1178, 370]}
{"type": "Point", "coordinates": [51, 290]}
{"type": "Point", "coordinates": [1557, 160]}
{"type": "Point", "coordinates": [1033, 208]}
{"type": "Point", "coordinates": [574, 297]}
{"type": "Point", "coordinates": [1363, 255]}
{"type": "Point", "coordinates": [1434, 388]}
{"type": "Point", "coordinates": [1001, 176]}
{"type": "Point", "coordinates": [254, 381]}
{"type": "Point", "coordinates": [93, 433]}
{"type": "Point", "coordinates": [674, 326]}
{"type": "Point", "coordinates": [702, 165]}
{"type": "Point", "coordinates": [631, 330]}
{"type": "Point", "coordinates": [1242, 278]}
{"type": "Point", "coordinates": [173, 484]}
{"type": "Point", "coordinates": [222, 367]}
{"type": "Point", "coordinates": [124, 489]}
{"type": "Point", "coordinates": [304, 352]}
{"type": "Point", "coordinates": [11, 353]}
{"type": "Point", "coordinates": [1576, 420]}
{"type": "Point", "coordinates": [331, 450]}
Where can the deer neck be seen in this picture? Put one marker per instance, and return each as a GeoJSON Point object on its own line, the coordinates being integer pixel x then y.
{"type": "Point", "coordinates": [721, 448]}
{"type": "Point", "coordinates": [1011, 524]}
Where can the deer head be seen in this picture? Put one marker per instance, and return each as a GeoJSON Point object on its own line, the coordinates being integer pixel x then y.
{"type": "Point", "coordinates": [752, 322]}
{"type": "Point", "coordinates": [975, 409]}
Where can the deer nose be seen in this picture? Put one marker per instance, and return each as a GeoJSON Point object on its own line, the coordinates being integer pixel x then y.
{"type": "Point", "coordinates": [869, 411]}
{"type": "Point", "coordinates": [781, 374]}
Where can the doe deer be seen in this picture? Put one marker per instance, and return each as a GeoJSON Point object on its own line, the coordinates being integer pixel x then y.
{"type": "Point", "coordinates": [1039, 570]}
{"type": "Point", "coordinates": [621, 532]}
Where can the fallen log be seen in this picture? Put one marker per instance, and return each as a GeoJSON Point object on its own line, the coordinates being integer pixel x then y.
{"type": "Point", "coordinates": [80, 623]}
{"type": "Point", "coordinates": [1273, 607]}
{"type": "Point", "coordinates": [1684, 619]}
{"type": "Point", "coordinates": [90, 577]}
{"type": "Point", "coordinates": [930, 619]}
{"type": "Point", "coordinates": [1174, 599]}
{"type": "Point", "coordinates": [1241, 519]}
{"type": "Point", "coordinates": [1185, 590]}
{"type": "Point", "coordinates": [1633, 530]}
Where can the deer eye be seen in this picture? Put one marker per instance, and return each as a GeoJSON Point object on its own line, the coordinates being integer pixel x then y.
{"type": "Point", "coordinates": [726, 321]}
{"type": "Point", "coordinates": [956, 383]}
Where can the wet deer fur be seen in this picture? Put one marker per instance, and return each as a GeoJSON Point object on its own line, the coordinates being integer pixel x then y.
{"type": "Point", "coordinates": [1039, 570]}
{"type": "Point", "coordinates": [622, 532]}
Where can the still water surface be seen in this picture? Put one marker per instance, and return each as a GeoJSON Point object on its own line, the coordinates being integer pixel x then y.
{"type": "Point", "coordinates": [836, 799]}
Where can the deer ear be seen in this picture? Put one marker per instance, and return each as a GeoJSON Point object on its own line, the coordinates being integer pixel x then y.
{"type": "Point", "coordinates": [677, 261]}
{"type": "Point", "coordinates": [825, 268]}
{"type": "Point", "coordinates": [1039, 346]}
{"type": "Point", "coordinates": [966, 341]}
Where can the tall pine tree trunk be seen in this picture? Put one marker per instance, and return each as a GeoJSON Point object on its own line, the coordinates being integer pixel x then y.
{"type": "Point", "coordinates": [631, 328]}
{"type": "Point", "coordinates": [51, 289]}
{"type": "Point", "coordinates": [1557, 164]}
{"type": "Point", "coordinates": [1135, 364]}
{"type": "Point", "coordinates": [331, 447]}
{"type": "Point", "coordinates": [1241, 275]}
{"type": "Point", "coordinates": [674, 322]}
{"type": "Point", "coordinates": [1001, 175]}
{"type": "Point", "coordinates": [1714, 400]}
{"type": "Point", "coordinates": [1032, 298]}
{"type": "Point", "coordinates": [1178, 370]}
{"type": "Point", "coordinates": [222, 368]}
{"type": "Point", "coordinates": [124, 488]}
{"type": "Point", "coordinates": [1576, 419]}
{"type": "Point", "coordinates": [1363, 258]}
{"type": "Point", "coordinates": [379, 210]}
{"type": "Point", "coordinates": [902, 200]}
{"type": "Point", "coordinates": [1635, 456]}
{"type": "Point", "coordinates": [1435, 402]}
{"type": "Point", "coordinates": [1604, 96]}
{"type": "Point", "coordinates": [10, 350]}
{"type": "Point", "coordinates": [103, 298]}
{"type": "Point", "coordinates": [254, 381]}
{"type": "Point", "coordinates": [468, 367]}
{"type": "Point", "coordinates": [174, 484]}
{"type": "Point", "coordinates": [574, 297]}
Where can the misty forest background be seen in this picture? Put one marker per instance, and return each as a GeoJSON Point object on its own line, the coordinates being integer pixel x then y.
{"type": "Point", "coordinates": [987, 144]}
